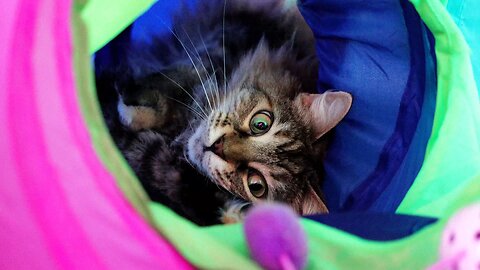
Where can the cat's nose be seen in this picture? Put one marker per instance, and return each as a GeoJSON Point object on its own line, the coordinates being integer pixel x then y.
{"type": "Point", "coordinates": [217, 148]}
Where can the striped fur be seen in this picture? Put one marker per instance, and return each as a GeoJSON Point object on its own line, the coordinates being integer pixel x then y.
{"type": "Point", "coordinates": [201, 84]}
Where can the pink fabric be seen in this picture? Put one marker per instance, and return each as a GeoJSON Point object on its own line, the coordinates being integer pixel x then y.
{"type": "Point", "coordinates": [59, 208]}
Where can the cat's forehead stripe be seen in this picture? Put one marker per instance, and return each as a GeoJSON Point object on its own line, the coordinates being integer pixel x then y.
{"type": "Point", "coordinates": [247, 100]}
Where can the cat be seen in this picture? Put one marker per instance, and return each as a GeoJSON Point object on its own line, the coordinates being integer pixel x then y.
{"type": "Point", "coordinates": [222, 111]}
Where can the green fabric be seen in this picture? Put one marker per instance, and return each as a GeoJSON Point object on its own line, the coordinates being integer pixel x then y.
{"type": "Point", "coordinates": [223, 250]}
{"type": "Point", "coordinates": [102, 142]}
{"type": "Point", "coordinates": [334, 249]}
{"type": "Point", "coordinates": [448, 180]}
{"type": "Point", "coordinates": [450, 175]}
{"type": "Point", "coordinates": [105, 19]}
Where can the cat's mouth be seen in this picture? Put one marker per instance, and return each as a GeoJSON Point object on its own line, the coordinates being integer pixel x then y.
{"type": "Point", "coordinates": [215, 164]}
{"type": "Point", "coordinates": [216, 148]}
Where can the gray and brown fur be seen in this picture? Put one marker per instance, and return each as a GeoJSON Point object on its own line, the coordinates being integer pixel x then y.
{"type": "Point", "coordinates": [173, 105]}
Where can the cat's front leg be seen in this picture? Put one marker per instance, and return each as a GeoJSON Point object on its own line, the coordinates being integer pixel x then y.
{"type": "Point", "coordinates": [138, 117]}
{"type": "Point", "coordinates": [156, 103]}
{"type": "Point", "coordinates": [233, 211]}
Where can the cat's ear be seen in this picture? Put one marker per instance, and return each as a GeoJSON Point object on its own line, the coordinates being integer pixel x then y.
{"type": "Point", "coordinates": [325, 110]}
{"type": "Point", "coordinates": [312, 204]}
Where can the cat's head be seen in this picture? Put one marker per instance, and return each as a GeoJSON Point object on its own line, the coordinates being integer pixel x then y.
{"type": "Point", "coordinates": [259, 140]}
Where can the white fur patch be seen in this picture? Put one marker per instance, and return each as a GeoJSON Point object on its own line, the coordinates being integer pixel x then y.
{"type": "Point", "coordinates": [137, 117]}
{"type": "Point", "coordinates": [125, 112]}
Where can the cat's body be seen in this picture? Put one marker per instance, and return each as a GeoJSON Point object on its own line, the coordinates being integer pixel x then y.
{"type": "Point", "coordinates": [221, 100]}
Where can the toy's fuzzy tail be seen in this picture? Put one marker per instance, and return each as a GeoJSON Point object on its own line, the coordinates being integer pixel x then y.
{"type": "Point", "coordinates": [286, 263]}
{"type": "Point", "coordinates": [275, 237]}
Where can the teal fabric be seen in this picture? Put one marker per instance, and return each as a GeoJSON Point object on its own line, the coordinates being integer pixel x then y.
{"type": "Point", "coordinates": [466, 14]}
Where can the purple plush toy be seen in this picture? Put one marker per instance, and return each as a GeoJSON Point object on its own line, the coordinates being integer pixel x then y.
{"type": "Point", "coordinates": [275, 237]}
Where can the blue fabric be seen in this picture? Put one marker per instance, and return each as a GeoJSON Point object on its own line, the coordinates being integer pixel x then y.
{"type": "Point", "coordinates": [381, 52]}
{"type": "Point", "coordinates": [413, 160]}
{"type": "Point", "coordinates": [155, 21]}
{"type": "Point", "coordinates": [375, 226]}
{"type": "Point", "coordinates": [377, 51]}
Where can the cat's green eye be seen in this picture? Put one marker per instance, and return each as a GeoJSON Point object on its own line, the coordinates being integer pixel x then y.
{"type": "Point", "coordinates": [257, 185]}
{"type": "Point", "coordinates": [261, 122]}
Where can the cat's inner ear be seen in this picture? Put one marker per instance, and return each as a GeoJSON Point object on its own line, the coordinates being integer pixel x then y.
{"type": "Point", "coordinates": [324, 110]}
{"type": "Point", "coordinates": [312, 204]}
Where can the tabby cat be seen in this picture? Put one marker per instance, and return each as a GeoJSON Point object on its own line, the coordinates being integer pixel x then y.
{"type": "Point", "coordinates": [222, 110]}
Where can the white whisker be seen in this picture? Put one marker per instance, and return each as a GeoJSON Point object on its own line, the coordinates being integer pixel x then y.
{"type": "Point", "coordinates": [213, 69]}
{"type": "Point", "coordinates": [209, 78]}
{"type": "Point", "coordinates": [193, 63]}
{"type": "Point", "coordinates": [223, 43]}
{"type": "Point", "coordinates": [188, 107]}
{"type": "Point", "coordinates": [184, 90]}
{"type": "Point", "coordinates": [188, 161]}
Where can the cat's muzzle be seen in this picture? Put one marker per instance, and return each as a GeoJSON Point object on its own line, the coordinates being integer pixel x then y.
{"type": "Point", "coordinates": [216, 148]}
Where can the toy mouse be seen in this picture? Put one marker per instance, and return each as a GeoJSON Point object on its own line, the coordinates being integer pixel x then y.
{"type": "Point", "coordinates": [275, 237]}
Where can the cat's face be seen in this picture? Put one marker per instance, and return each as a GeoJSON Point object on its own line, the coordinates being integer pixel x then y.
{"type": "Point", "coordinates": [258, 141]}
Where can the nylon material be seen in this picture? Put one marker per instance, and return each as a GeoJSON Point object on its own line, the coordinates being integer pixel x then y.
{"type": "Point", "coordinates": [61, 140]}
{"type": "Point", "coordinates": [200, 248]}
{"type": "Point", "coordinates": [407, 172]}
{"type": "Point", "coordinates": [465, 15]}
{"type": "Point", "coordinates": [360, 55]}
{"type": "Point", "coordinates": [125, 179]}
{"type": "Point", "coordinates": [29, 152]}
{"type": "Point", "coordinates": [333, 249]}
{"type": "Point", "coordinates": [457, 106]}
{"type": "Point", "coordinates": [373, 225]}
{"type": "Point", "coordinates": [154, 250]}
{"type": "Point", "coordinates": [397, 145]}
{"type": "Point", "coordinates": [105, 19]}
{"type": "Point", "coordinates": [107, 250]}
{"type": "Point", "coordinates": [146, 26]}
{"type": "Point", "coordinates": [19, 235]}
{"type": "Point", "coordinates": [48, 216]}
{"type": "Point", "coordinates": [104, 146]}
{"type": "Point", "coordinates": [58, 139]}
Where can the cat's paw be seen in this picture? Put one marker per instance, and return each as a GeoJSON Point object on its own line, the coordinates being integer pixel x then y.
{"type": "Point", "coordinates": [233, 211]}
{"type": "Point", "coordinates": [138, 117]}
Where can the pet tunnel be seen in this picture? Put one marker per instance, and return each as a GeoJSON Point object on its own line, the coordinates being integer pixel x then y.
{"type": "Point", "coordinates": [405, 159]}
